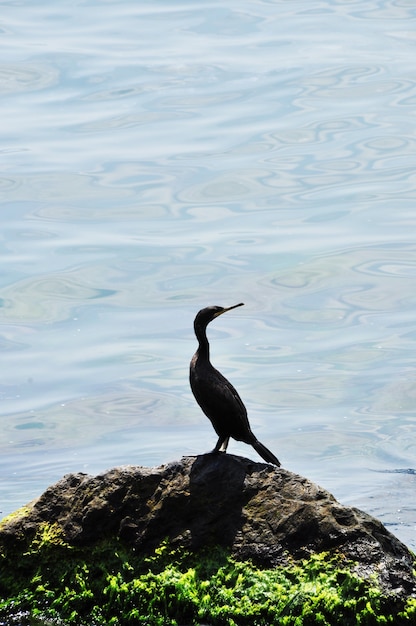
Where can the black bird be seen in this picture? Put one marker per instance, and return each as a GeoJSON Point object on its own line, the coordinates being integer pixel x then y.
{"type": "Point", "coordinates": [215, 394]}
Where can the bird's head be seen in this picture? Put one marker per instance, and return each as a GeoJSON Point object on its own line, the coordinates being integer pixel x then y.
{"type": "Point", "coordinates": [205, 316]}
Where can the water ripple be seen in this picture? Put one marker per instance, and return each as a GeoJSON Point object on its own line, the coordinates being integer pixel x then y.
{"type": "Point", "coordinates": [50, 298]}
{"type": "Point", "coordinates": [317, 299]}
{"type": "Point", "coordinates": [17, 78]}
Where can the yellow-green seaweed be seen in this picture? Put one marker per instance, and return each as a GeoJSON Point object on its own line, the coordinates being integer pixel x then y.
{"type": "Point", "coordinates": [111, 585]}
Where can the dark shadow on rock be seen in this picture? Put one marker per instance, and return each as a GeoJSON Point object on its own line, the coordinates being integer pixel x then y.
{"type": "Point", "coordinates": [216, 498]}
{"type": "Point", "coordinates": [197, 503]}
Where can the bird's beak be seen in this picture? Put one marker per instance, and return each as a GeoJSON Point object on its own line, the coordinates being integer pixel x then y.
{"type": "Point", "coordinates": [228, 309]}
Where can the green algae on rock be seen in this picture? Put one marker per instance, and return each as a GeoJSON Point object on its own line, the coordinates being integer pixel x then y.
{"type": "Point", "coordinates": [211, 539]}
{"type": "Point", "coordinates": [105, 587]}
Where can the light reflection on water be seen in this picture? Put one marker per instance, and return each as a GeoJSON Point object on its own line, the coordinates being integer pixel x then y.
{"type": "Point", "coordinates": [259, 152]}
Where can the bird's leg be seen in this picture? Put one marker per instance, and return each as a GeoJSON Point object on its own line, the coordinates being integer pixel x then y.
{"type": "Point", "coordinates": [221, 445]}
{"type": "Point", "coordinates": [224, 445]}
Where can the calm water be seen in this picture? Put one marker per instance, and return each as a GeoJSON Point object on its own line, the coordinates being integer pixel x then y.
{"type": "Point", "coordinates": [157, 157]}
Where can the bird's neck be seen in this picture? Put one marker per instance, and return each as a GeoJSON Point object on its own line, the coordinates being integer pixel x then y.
{"type": "Point", "coordinates": [203, 345]}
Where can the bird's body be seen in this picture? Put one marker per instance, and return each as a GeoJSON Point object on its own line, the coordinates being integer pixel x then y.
{"type": "Point", "coordinates": [216, 396]}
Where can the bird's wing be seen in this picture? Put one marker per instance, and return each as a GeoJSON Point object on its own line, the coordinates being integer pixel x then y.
{"type": "Point", "coordinates": [221, 402]}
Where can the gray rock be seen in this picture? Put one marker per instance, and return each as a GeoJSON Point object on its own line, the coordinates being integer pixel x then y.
{"type": "Point", "coordinates": [258, 511]}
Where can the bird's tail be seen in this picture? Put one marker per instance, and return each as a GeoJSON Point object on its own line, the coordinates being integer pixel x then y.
{"type": "Point", "coordinates": [265, 453]}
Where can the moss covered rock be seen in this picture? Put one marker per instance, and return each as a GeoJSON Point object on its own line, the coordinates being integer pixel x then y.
{"type": "Point", "coordinates": [215, 539]}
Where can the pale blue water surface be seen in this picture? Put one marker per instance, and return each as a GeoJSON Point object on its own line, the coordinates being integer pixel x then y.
{"type": "Point", "coordinates": [158, 157]}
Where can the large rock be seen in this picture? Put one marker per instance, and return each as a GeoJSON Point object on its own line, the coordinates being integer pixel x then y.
{"type": "Point", "coordinates": [259, 512]}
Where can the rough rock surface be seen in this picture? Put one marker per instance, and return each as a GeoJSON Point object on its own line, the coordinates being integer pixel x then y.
{"type": "Point", "coordinates": [258, 511]}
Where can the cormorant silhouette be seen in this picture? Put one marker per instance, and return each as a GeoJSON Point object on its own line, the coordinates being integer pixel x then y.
{"type": "Point", "coordinates": [216, 395]}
